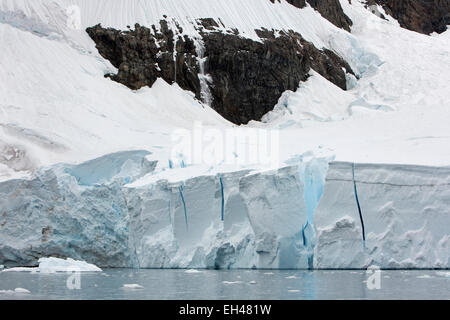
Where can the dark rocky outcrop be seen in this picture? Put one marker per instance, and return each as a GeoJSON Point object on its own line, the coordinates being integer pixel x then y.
{"type": "Point", "coordinates": [247, 76]}
{"type": "Point", "coordinates": [143, 55]}
{"type": "Point", "coordinates": [424, 16]}
{"type": "Point", "coordinates": [329, 9]}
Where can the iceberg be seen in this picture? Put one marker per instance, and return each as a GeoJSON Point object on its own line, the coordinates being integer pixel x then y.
{"type": "Point", "coordinates": [52, 265]}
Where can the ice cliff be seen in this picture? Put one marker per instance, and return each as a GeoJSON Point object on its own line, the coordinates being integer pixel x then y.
{"type": "Point", "coordinates": [404, 209]}
{"type": "Point", "coordinates": [128, 215]}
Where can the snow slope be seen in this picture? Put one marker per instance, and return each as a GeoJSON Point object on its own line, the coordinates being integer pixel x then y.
{"type": "Point", "coordinates": [55, 105]}
{"type": "Point", "coordinates": [398, 112]}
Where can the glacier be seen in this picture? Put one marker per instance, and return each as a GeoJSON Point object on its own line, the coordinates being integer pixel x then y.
{"type": "Point", "coordinates": [300, 216]}
{"type": "Point", "coordinates": [65, 211]}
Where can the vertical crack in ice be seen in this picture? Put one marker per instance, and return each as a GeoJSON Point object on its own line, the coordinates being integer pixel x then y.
{"type": "Point", "coordinates": [305, 242]}
{"type": "Point", "coordinates": [358, 205]}
{"type": "Point", "coordinates": [184, 207]}
{"type": "Point", "coordinates": [223, 198]}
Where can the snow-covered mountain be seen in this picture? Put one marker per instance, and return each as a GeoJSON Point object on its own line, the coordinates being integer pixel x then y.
{"type": "Point", "coordinates": [116, 118]}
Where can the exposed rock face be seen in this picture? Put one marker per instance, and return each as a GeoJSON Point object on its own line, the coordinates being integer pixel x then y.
{"type": "Point", "coordinates": [332, 11]}
{"type": "Point", "coordinates": [329, 9]}
{"type": "Point", "coordinates": [245, 77]}
{"type": "Point", "coordinates": [142, 55]}
{"type": "Point", "coordinates": [424, 16]}
{"type": "Point", "coordinates": [249, 77]}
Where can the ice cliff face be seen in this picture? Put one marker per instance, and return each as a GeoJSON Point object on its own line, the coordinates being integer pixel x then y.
{"type": "Point", "coordinates": [404, 210]}
{"type": "Point", "coordinates": [232, 220]}
{"type": "Point", "coordinates": [70, 211]}
{"type": "Point", "coordinates": [183, 224]}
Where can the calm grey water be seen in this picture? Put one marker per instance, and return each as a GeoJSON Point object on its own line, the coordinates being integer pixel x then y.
{"type": "Point", "coordinates": [235, 284]}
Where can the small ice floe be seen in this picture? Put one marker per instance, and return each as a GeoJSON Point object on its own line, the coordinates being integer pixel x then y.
{"type": "Point", "coordinates": [21, 290]}
{"type": "Point", "coordinates": [6, 291]}
{"type": "Point", "coordinates": [15, 291]}
{"type": "Point", "coordinates": [132, 286]}
{"type": "Point", "coordinates": [425, 276]}
{"type": "Point", "coordinates": [291, 277]}
{"type": "Point", "coordinates": [443, 274]}
{"type": "Point", "coordinates": [2, 267]}
{"type": "Point", "coordinates": [252, 282]}
{"type": "Point", "coordinates": [192, 271]}
{"type": "Point", "coordinates": [231, 282]}
{"type": "Point", "coordinates": [293, 291]}
{"type": "Point", "coordinates": [22, 269]}
{"type": "Point", "coordinates": [268, 273]}
{"type": "Point", "coordinates": [52, 265]}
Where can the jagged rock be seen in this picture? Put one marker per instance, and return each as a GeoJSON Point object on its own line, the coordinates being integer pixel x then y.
{"type": "Point", "coordinates": [332, 11]}
{"type": "Point", "coordinates": [424, 16]}
{"type": "Point", "coordinates": [248, 77]}
{"type": "Point", "coordinates": [143, 55]}
{"type": "Point", "coordinates": [329, 9]}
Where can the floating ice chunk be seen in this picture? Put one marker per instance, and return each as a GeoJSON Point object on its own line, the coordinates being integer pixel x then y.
{"type": "Point", "coordinates": [132, 286]}
{"type": "Point", "coordinates": [16, 290]}
{"type": "Point", "coordinates": [22, 269]}
{"type": "Point", "coordinates": [252, 282]}
{"type": "Point", "coordinates": [52, 265]}
{"type": "Point", "coordinates": [47, 265]}
{"type": "Point", "coordinates": [231, 282]}
{"type": "Point", "coordinates": [192, 271]}
{"type": "Point", "coordinates": [293, 291]}
{"type": "Point", "coordinates": [6, 291]}
{"type": "Point", "coordinates": [21, 290]}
